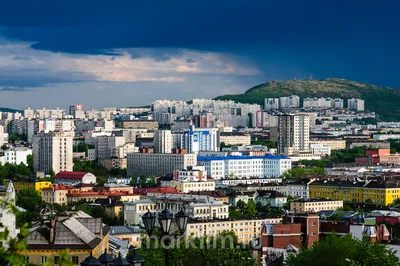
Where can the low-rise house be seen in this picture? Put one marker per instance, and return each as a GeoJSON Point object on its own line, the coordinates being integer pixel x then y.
{"type": "Point", "coordinates": [82, 236]}
{"type": "Point", "coordinates": [315, 205]}
{"type": "Point", "coordinates": [298, 188]}
{"type": "Point", "coordinates": [132, 234]}
{"type": "Point", "coordinates": [214, 194]}
{"type": "Point", "coordinates": [92, 196]}
{"type": "Point", "coordinates": [273, 198]}
{"type": "Point", "coordinates": [72, 178]}
{"type": "Point", "coordinates": [245, 196]}
{"type": "Point", "coordinates": [56, 193]}
{"type": "Point", "coordinates": [133, 211]}
{"type": "Point", "coordinates": [198, 207]}
{"type": "Point", "coordinates": [29, 183]}
{"type": "Point", "coordinates": [374, 232]}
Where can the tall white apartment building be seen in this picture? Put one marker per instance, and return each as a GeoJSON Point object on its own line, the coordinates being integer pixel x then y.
{"type": "Point", "coordinates": [201, 139]}
{"type": "Point", "coordinates": [17, 155]}
{"type": "Point", "coordinates": [263, 119]}
{"type": "Point", "coordinates": [29, 113]}
{"type": "Point", "coordinates": [106, 146]}
{"type": "Point", "coordinates": [53, 151]}
{"type": "Point", "coordinates": [271, 104]}
{"type": "Point", "coordinates": [355, 104]}
{"type": "Point", "coordinates": [294, 134]}
{"type": "Point", "coordinates": [292, 101]}
{"type": "Point", "coordinates": [7, 217]}
{"type": "Point", "coordinates": [163, 141]}
{"type": "Point", "coordinates": [338, 103]}
{"type": "Point", "coordinates": [1, 135]}
{"type": "Point", "coordinates": [74, 108]}
{"type": "Point", "coordinates": [323, 103]}
{"type": "Point", "coordinates": [154, 164]}
{"type": "Point", "coordinates": [50, 113]}
{"type": "Point", "coordinates": [245, 166]}
{"type": "Point", "coordinates": [164, 110]}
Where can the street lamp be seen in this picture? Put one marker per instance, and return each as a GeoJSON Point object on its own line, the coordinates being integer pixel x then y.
{"type": "Point", "coordinates": [120, 261]}
{"type": "Point", "coordinates": [136, 259]}
{"type": "Point", "coordinates": [90, 261]}
{"type": "Point", "coordinates": [149, 220]}
{"type": "Point", "coordinates": [165, 219]}
{"type": "Point", "coordinates": [181, 220]}
{"type": "Point", "coordinates": [105, 258]}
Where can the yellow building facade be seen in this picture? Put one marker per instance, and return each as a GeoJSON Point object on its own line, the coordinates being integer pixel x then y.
{"type": "Point", "coordinates": [244, 229]}
{"type": "Point", "coordinates": [82, 236]}
{"type": "Point", "coordinates": [378, 192]}
{"type": "Point", "coordinates": [36, 185]}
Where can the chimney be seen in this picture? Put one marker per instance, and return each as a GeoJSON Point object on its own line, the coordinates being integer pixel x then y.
{"type": "Point", "coordinates": [52, 230]}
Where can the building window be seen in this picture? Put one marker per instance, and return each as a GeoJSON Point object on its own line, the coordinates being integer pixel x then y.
{"type": "Point", "coordinates": [56, 260]}
{"type": "Point", "coordinates": [75, 259]}
{"type": "Point", "coordinates": [313, 224]}
{"type": "Point", "coordinates": [43, 259]}
{"type": "Point", "coordinates": [313, 234]}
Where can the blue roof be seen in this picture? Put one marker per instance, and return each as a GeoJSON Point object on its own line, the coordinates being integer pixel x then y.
{"type": "Point", "coordinates": [221, 158]}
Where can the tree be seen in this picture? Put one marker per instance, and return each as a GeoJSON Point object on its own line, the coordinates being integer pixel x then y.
{"type": "Point", "coordinates": [10, 253]}
{"type": "Point", "coordinates": [4, 147]}
{"type": "Point", "coordinates": [52, 173]}
{"type": "Point", "coordinates": [31, 201]}
{"type": "Point", "coordinates": [250, 209]}
{"type": "Point", "coordinates": [29, 161]}
{"type": "Point", "coordinates": [344, 251]}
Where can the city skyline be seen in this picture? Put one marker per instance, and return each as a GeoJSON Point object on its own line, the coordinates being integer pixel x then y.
{"type": "Point", "coordinates": [129, 54]}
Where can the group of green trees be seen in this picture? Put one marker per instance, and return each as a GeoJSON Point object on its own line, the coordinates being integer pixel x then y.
{"type": "Point", "coordinates": [264, 142]}
{"type": "Point", "coordinates": [344, 251]}
{"type": "Point", "coordinates": [251, 210]}
{"type": "Point", "coordinates": [297, 172]}
{"type": "Point", "coordinates": [199, 251]}
{"type": "Point", "coordinates": [16, 171]}
{"type": "Point", "coordinates": [337, 156]}
{"type": "Point", "coordinates": [143, 182]}
{"type": "Point", "coordinates": [243, 210]}
{"type": "Point", "coordinates": [394, 145]}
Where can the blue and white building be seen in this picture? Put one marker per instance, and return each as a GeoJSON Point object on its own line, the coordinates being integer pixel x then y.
{"type": "Point", "coordinates": [201, 139]}
{"type": "Point", "coordinates": [266, 166]}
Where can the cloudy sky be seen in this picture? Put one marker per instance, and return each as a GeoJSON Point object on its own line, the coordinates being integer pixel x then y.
{"type": "Point", "coordinates": [129, 53]}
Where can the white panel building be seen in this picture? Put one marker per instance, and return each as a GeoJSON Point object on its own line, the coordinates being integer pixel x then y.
{"type": "Point", "coordinates": [201, 139]}
{"type": "Point", "coordinates": [245, 166]}
{"type": "Point", "coordinates": [17, 155]}
{"type": "Point", "coordinates": [53, 150]}
{"type": "Point", "coordinates": [355, 104]}
{"type": "Point", "coordinates": [163, 141]}
{"type": "Point", "coordinates": [7, 217]}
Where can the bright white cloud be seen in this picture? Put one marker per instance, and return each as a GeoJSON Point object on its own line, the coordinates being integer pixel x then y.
{"type": "Point", "coordinates": [131, 65]}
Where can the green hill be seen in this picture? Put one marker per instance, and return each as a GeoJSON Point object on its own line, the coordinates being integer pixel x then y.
{"type": "Point", "coordinates": [382, 100]}
{"type": "Point", "coordinates": [9, 110]}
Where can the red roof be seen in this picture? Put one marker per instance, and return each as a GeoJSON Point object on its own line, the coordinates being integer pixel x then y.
{"type": "Point", "coordinates": [71, 175]}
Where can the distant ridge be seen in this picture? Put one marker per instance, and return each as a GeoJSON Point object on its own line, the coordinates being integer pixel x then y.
{"type": "Point", "coordinates": [382, 100]}
{"type": "Point", "coordinates": [9, 110]}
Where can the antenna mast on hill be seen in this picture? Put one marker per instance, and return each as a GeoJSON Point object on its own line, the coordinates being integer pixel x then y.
{"type": "Point", "coordinates": [311, 76]}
